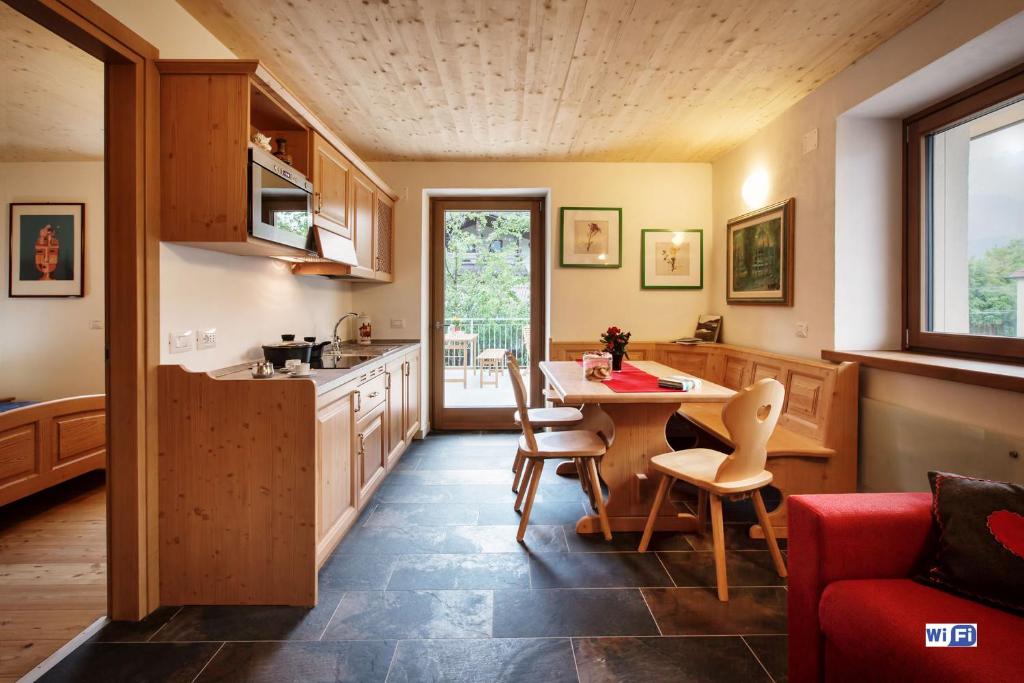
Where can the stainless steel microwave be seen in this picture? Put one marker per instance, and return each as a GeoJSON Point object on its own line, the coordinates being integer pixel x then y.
{"type": "Point", "coordinates": [280, 202]}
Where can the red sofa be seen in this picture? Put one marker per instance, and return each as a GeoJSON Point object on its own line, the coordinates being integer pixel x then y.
{"type": "Point", "coordinates": [855, 613]}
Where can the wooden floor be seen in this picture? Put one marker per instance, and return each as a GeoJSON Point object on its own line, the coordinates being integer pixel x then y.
{"type": "Point", "coordinates": [53, 571]}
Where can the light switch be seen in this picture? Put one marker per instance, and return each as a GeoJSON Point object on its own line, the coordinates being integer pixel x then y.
{"type": "Point", "coordinates": [95, 324]}
{"type": "Point", "coordinates": [810, 140]}
{"type": "Point", "coordinates": [181, 342]}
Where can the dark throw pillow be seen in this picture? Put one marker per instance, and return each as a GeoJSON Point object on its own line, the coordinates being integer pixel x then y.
{"type": "Point", "coordinates": [980, 552]}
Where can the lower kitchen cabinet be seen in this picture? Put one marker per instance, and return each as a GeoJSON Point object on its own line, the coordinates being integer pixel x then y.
{"type": "Point", "coordinates": [411, 396]}
{"type": "Point", "coordinates": [292, 468]}
{"type": "Point", "coordinates": [371, 450]}
{"type": "Point", "coordinates": [396, 384]}
{"type": "Point", "coordinates": [336, 502]}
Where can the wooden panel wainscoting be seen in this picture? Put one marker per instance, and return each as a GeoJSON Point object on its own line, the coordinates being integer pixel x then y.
{"type": "Point", "coordinates": [814, 446]}
{"type": "Point", "coordinates": [238, 499]}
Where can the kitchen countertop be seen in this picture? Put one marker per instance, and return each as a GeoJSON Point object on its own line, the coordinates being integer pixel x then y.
{"type": "Point", "coordinates": [327, 379]}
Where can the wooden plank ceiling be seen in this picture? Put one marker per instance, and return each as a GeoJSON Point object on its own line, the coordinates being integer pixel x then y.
{"type": "Point", "coordinates": [52, 103]}
{"type": "Point", "coordinates": [600, 80]}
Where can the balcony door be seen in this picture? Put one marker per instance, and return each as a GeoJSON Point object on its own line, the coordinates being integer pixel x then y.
{"type": "Point", "coordinates": [487, 285]}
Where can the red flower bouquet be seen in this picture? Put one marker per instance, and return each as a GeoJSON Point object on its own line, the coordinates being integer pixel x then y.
{"type": "Point", "coordinates": [615, 342]}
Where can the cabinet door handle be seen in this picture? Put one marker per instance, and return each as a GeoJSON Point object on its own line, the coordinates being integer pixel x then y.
{"type": "Point", "coordinates": [318, 202]}
{"type": "Point", "coordinates": [362, 450]}
{"type": "Point", "coordinates": [387, 380]}
{"type": "Point", "coordinates": [359, 402]}
{"type": "Point", "coordinates": [408, 366]}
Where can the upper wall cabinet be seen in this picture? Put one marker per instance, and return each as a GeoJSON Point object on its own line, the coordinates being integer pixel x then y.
{"type": "Point", "coordinates": [209, 112]}
{"type": "Point", "coordinates": [332, 174]}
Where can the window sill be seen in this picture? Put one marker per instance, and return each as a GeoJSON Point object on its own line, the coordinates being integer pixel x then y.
{"type": "Point", "coordinates": [994, 375]}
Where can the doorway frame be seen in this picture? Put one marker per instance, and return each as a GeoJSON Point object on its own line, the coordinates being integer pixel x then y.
{"type": "Point", "coordinates": [485, 418]}
{"type": "Point", "coordinates": [131, 290]}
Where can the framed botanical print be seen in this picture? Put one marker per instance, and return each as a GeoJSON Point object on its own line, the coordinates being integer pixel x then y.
{"type": "Point", "coordinates": [47, 244]}
{"type": "Point", "coordinates": [591, 237]}
{"type": "Point", "coordinates": [759, 256]}
{"type": "Point", "coordinates": [671, 259]}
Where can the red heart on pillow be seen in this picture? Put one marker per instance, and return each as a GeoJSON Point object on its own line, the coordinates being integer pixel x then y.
{"type": "Point", "coordinates": [1008, 528]}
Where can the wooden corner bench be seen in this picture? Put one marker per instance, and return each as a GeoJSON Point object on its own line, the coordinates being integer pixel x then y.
{"type": "Point", "coordinates": [814, 446]}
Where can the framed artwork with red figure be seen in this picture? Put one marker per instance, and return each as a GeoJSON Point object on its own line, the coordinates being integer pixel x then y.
{"type": "Point", "coordinates": [47, 250]}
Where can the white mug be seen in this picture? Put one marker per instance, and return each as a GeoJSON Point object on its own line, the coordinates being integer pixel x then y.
{"type": "Point", "coordinates": [301, 370]}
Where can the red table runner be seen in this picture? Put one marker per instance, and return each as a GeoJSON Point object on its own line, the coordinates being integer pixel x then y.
{"type": "Point", "coordinates": [632, 380]}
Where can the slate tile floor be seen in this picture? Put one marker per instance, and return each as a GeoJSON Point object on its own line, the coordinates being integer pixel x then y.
{"type": "Point", "coordinates": [430, 585]}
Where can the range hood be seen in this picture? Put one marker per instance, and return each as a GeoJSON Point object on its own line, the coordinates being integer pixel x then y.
{"type": "Point", "coordinates": [335, 256]}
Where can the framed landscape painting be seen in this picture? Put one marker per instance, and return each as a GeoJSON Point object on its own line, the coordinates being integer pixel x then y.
{"type": "Point", "coordinates": [671, 259]}
{"type": "Point", "coordinates": [759, 256]}
{"type": "Point", "coordinates": [46, 250]}
{"type": "Point", "coordinates": [591, 237]}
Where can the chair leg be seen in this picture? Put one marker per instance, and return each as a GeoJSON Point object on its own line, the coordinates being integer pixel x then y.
{"type": "Point", "coordinates": [527, 471]}
{"type": "Point", "coordinates": [718, 539]}
{"type": "Point", "coordinates": [581, 472]}
{"type": "Point", "coordinates": [769, 534]}
{"type": "Point", "coordinates": [535, 469]}
{"type": "Point", "coordinates": [702, 511]}
{"type": "Point", "coordinates": [518, 467]}
{"type": "Point", "coordinates": [659, 498]}
{"type": "Point", "coordinates": [595, 487]}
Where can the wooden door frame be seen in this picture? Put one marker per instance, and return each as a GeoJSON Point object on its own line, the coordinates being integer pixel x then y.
{"type": "Point", "coordinates": [485, 418]}
{"type": "Point", "coordinates": [131, 291]}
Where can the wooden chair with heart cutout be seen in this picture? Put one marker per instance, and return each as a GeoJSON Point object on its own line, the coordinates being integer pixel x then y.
{"type": "Point", "coordinates": [750, 417]}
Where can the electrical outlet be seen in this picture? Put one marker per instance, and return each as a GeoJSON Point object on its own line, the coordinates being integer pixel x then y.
{"type": "Point", "coordinates": [398, 323]}
{"type": "Point", "coordinates": [95, 324]}
{"type": "Point", "coordinates": [181, 342]}
{"type": "Point", "coordinates": [206, 339]}
{"type": "Point", "coordinates": [801, 330]}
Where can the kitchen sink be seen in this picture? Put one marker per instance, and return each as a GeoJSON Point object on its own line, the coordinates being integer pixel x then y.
{"type": "Point", "coordinates": [345, 360]}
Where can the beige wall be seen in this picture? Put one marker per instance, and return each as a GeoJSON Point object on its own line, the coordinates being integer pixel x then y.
{"type": "Point", "coordinates": [584, 301]}
{"type": "Point", "coordinates": [249, 300]}
{"type": "Point", "coordinates": [834, 293]}
{"type": "Point", "coordinates": [811, 177]}
{"type": "Point", "coordinates": [48, 348]}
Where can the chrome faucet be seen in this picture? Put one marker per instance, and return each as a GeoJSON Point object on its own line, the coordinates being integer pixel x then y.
{"type": "Point", "coordinates": [336, 340]}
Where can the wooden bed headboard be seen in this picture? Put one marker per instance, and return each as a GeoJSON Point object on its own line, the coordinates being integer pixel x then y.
{"type": "Point", "coordinates": [46, 443]}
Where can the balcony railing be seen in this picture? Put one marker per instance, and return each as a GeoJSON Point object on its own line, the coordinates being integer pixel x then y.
{"type": "Point", "coordinates": [510, 334]}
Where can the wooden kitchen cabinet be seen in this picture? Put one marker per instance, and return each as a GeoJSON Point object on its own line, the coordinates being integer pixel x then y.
{"type": "Point", "coordinates": [384, 238]}
{"type": "Point", "coordinates": [336, 500]}
{"type": "Point", "coordinates": [331, 187]}
{"type": "Point", "coordinates": [411, 396]}
{"type": "Point", "coordinates": [396, 384]}
{"type": "Point", "coordinates": [371, 451]}
{"type": "Point", "coordinates": [364, 206]}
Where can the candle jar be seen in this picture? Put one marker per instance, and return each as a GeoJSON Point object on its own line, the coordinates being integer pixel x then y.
{"type": "Point", "coordinates": [597, 367]}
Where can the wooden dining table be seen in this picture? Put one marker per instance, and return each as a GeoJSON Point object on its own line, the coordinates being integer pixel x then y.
{"type": "Point", "coordinates": [640, 419]}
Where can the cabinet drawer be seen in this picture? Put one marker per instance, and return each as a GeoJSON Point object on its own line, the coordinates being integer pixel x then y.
{"type": "Point", "coordinates": [370, 394]}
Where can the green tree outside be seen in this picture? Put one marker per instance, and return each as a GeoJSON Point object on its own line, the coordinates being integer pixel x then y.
{"type": "Point", "coordinates": [992, 294]}
{"type": "Point", "coordinates": [487, 274]}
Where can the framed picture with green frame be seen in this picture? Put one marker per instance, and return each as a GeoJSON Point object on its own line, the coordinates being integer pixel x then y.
{"type": "Point", "coordinates": [591, 237]}
{"type": "Point", "coordinates": [671, 259]}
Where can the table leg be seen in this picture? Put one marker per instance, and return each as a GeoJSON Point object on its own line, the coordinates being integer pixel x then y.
{"type": "Point", "coordinates": [625, 469]}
